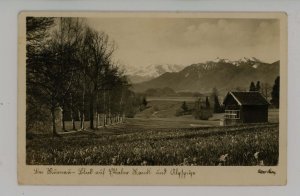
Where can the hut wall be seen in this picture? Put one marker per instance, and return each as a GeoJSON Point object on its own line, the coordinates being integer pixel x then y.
{"type": "Point", "coordinates": [254, 114]}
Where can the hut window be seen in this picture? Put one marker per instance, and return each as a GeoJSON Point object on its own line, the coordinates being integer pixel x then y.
{"type": "Point", "coordinates": [232, 114]}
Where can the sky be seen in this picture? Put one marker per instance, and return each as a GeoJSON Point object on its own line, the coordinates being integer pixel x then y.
{"type": "Point", "coordinates": [184, 41]}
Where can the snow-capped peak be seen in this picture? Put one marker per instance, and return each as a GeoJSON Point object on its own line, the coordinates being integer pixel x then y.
{"type": "Point", "coordinates": [251, 59]}
{"type": "Point", "coordinates": [155, 70]}
{"type": "Point", "coordinates": [218, 60]}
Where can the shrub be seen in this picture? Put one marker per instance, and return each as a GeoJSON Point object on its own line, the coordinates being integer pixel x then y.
{"type": "Point", "coordinates": [203, 114]}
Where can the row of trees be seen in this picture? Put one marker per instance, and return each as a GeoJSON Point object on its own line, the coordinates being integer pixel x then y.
{"type": "Point", "coordinates": [203, 108]}
{"type": "Point", "coordinates": [69, 67]}
{"type": "Point", "coordinates": [270, 93]}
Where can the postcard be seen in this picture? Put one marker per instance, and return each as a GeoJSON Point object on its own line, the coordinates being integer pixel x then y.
{"type": "Point", "coordinates": [152, 98]}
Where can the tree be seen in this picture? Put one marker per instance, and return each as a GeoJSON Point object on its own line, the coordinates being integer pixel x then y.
{"type": "Point", "coordinates": [252, 87]}
{"type": "Point", "coordinates": [184, 107]}
{"type": "Point", "coordinates": [66, 42]}
{"type": "Point", "coordinates": [100, 70]}
{"type": "Point", "coordinates": [276, 92]}
{"type": "Point", "coordinates": [53, 75]}
{"type": "Point", "coordinates": [37, 33]}
{"type": "Point", "coordinates": [265, 90]}
{"type": "Point", "coordinates": [217, 106]}
{"type": "Point", "coordinates": [215, 99]}
{"type": "Point", "coordinates": [145, 102]}
{"type": "Point", "coordinates": [64, 45]}
{"type": "Point", "coordinates": [207, 104]}
{"type": "Point", "coordinates": [257, 87]}
{"type": "Point", "coordinates": [202, 109]}
{"type": "Point", "coordinates": [70, 67]}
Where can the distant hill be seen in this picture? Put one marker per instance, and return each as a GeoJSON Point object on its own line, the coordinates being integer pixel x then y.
{"type": "Point", "coordinates": [220, 73]}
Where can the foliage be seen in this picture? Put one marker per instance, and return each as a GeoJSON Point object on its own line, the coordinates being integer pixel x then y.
{"type": "Point", "coordinates": [265, 90]}
{"type": "Point", "coordinates": [37, 35]}
{"type": "Point", "coordinates": [207, 104]}
{"type": "Point", "coordinates": [215, 100]}
{"type": "Point", "coordinates": [184, 107]}
{"type": "Point", "coordinates": [252, 87]}
{"type": "Point", "coordinates": [202, 109]}
{"type": "Point", "coordinates": [275, 93]}
{"type": "Point", "coordinates": [70, 68]}
{"type": "Point", "coordinates": [257, 87]}
{"type": "Point", "coordinates": [203, 114]}
{"type": "Point", "coordinates": [145, 102]}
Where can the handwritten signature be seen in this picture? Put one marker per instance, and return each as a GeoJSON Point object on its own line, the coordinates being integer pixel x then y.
{"type": "Point", "coordinates": [269, 171]}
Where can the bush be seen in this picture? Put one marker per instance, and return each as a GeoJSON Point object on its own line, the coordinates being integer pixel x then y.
{"type": "Point", "coordinates": [179, 112]}
{"type": "Point", "coordinates": [203, 114]}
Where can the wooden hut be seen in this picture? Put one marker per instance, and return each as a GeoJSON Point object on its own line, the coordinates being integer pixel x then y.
{"type": "Point", "coordinates": [245, 107]}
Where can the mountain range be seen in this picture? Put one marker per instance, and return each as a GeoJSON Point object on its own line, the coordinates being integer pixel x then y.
{"type": "Point", "coordinates": [142, 74]}
{"type": "Point", "coordinates": [223, 74]}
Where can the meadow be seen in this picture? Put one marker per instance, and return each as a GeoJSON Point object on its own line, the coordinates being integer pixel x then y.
{"type": "Point", "coordinates": [157, 137]}
{"type": "Point", "coordinates": [243, 145]}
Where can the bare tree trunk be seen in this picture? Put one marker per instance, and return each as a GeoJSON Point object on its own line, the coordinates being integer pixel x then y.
{"type": "Point", "coordinates": [97, 123]}
{"type": "Point", "coordinates": [104, 110]}
{"type": "Point", "coordinates": [92, 112]}
{"type": "Point", "coordinates": [62, 112]}
{"type": "Point", "coordinates": [73, 121]}
{"type": "Point", "coordinates": [109, 112]}
{"type": "Point", "coordinates": [97, 114]}
{"type": "Point", "coordinates": [53, 121]}
{"type": "Point", "coordinates": [82, 121]}
{"type": "Point", "coordinates": [79, 117]}
{"type": "Point", "coordinates": [72, 114]}
{"type": "Point", "coordinates": [98, 120]}
{"type": "Point", "coordinates": [82, 113]}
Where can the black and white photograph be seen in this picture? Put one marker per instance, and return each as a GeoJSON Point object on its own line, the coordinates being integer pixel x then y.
{"type": "Point", "coordinates": [153, 90]}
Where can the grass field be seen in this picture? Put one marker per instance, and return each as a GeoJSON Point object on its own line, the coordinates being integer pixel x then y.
{"type": "Point", "coordinates": [164, 107]}
{"type": "Point", "coordinates": [238, 145]}
{"type": "Point", "coordinates": [157, 137]}
{"type": "Point", "coordinates": [160, 113]}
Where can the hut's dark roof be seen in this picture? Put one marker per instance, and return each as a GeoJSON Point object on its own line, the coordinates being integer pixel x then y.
{"type": "Point", "coordinates": [247, 98]}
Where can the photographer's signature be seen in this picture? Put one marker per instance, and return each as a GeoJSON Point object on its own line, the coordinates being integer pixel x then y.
{"type": "Point", "coordinates": [269, 171]}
